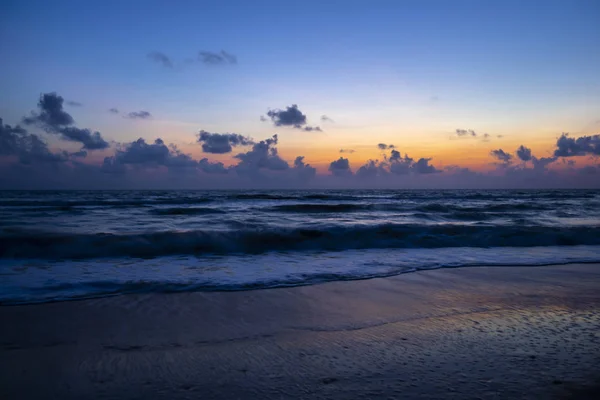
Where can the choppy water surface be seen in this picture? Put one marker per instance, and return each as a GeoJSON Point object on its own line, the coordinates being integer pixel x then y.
{"type": "Point", "coordinates": [60, 245]}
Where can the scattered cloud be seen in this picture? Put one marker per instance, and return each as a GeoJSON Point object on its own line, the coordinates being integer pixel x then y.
{"type": "Point", "coordinates": [291, 116]}
{"type": "Point", "coordinates": [325, 118]}
{"type": "Point", "coordinates": [523, 153]}
{"type": "Point", "coordinates": [502, 156]}
{"type": "Point", "coordinates": [567, 146]}
{"type": "Point", "coordinates": [349, 151]}
{"type": "Point", "coordinates": [220, 143]}
{"type": "Point", "coordinates": [52, 118]}
{"type": "Point", "coordinates": [139, 115]}
{"type": "Point", "coordinates": [113, 111]}
{"type": "Point", "coordinates": [74, 103]}
{"type": "Point", "coordinates": [211, 58]}
{"type": "Point", "coordinates": [383, 146]}
{"type": "Point", "coordinates": [264, 155]}
{"type": "Point", "coordinates": [28, 148]}
{"type": "Point", "coordinates": [340, 167]}
{"type": "Point", "coordinates": [160, 58]}
{"type": "Point", "coordinates": [466, 132]}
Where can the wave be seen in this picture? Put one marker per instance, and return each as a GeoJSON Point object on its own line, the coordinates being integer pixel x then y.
{"type": "Point", "coordinates": [318, 208]}
{"type": "Point", "coordinates": [21, 244]}
{"type": "Point", "coordinates": [69, 204]}
{"type": "Point", "coordinates": [187, 211]}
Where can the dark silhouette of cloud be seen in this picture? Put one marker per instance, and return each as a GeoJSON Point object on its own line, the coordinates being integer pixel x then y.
{"type": "Point", "coordinates": [383, 146]}
{"type": "Point", "coordinates": [212, 167]}
{"type": "Point", "coordinates": [466, 132]}
{"type": "Point", "coordinates": [523, 153]}
{"type": "Point", "coordinates": [28, 148]}
{"type": "Point", "coordinates": [90, 140]}
{"type": "Point", "coordinates": [139, 115]}
{"type": "Point", "coordinates": [53, 119]}
{"type": "Point", "coordinates": [305, 171]}
{"type": "Point", "coordinates": [325, 118]}
{"type": "Point", "coordinates": [422, 167]}
{"type": "Point", "coordinates": [372, 169]}
{"type": "Point", "coordinates": [220, 143]}
{"type": "Point", "coordinates": [340, 167]}
{"type": "Point", "coordinates": [113, 111]}
{"type": "Point", "coordinates": [291, 116]}
{"type": "Point", "coordinates": [567, 146]}
{"type": "Point", "coordinates": [160, 58]}
{"type": "Point", "coordinates": [211, 58]}
{"type": "Point", "coordinates": [263, 155]}
{"type": "Point", "coordinates": [349, 151]}
{"type": "Point", "coordinates": [74, 103]}
{"type": "Point", "coordinates": [501, 155]}
{"type": "Point", "coordinates": [140, 153]}
{"type": "Point", "coordinates": [51, 116]}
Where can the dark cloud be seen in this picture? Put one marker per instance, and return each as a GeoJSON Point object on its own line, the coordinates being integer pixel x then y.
{"type": "Point", "coordinates": [160, 58]}
{"type": "Point", "coordinates": [340, 167]}
{"type": "Point", "coordinates": [502, 156]}
{"type": "Point", "coordinates": [486, 137]}
{"type": "Point", "coordinates": [74, 103]}
{"type": "Point", "coordinates": [263, 155]}
{"type": "Point", "coordinates": [212, 167]}
{"type": "Point", "coordinates": [28, 148]}
{"type": "Point", "coordinates": [53, 119]}
{"type": "Point", "coordinates": [140, 153]}
{"type": "Point", "coordinates": [304, 171]}
{"type": "Point", "coordinates": [372, 169]}
{"type": "Point", "coordinates": [90, 140]}
{"type": "Point", "coordinates": [51, 116]}
{"type": "Point", "coordinates": [113, 111]}
{"type": "Point", "coordinates": [466, 132]}
{"type": "Point", "coordinates": [208, 57]}
{"type": "Point", "coordinates": [325, 118]}
{"type": "Point", "coordinates": [220, 143]}
{"type": "Point", "coordinates": [383, 146]}
{"type": "Point", "coordinates": [567, 146]}
{"type": "Point", "coordinates": [523, 153]}
{"type": "Point", "coordinates": [139, 115]}
{"type": "Point", "coordinates": [291, 116]}
{"type": "Point", "coordinates": [542, 163]}
{"type": "Point", "coordinates": [422, 167]}
{"type": "Point", "coordinates": [350, 151]}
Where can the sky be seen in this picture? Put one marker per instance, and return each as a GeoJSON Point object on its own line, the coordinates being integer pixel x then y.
{"type": "Point", "coordinates": [227, 94]}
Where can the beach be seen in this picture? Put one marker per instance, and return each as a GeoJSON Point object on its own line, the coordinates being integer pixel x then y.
{"type": "Point", "coordinates": [479, 332]}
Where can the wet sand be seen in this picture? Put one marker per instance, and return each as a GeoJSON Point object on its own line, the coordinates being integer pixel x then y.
{"type": "Point", "coordinates": [469, 333]}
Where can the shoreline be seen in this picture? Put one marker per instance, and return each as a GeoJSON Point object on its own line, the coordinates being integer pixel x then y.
{"type": "Point", "coordinates": [233, 288]}
{"type": "Point", "coordinates": [487, 332]}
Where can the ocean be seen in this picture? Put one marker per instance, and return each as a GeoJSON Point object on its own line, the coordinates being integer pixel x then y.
{"type": "Point", "coordinates": [63, 245]}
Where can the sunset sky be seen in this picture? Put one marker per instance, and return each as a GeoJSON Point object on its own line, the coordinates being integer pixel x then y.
{"type": "Point", "coordinates": [449, 81]}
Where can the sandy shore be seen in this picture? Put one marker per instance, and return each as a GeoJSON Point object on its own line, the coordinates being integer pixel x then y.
{"type": "Point", "coordinates": [489, 333]}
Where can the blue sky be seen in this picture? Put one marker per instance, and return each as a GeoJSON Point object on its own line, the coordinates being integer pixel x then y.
{"type": "Point", "coordinates": [408, 72]}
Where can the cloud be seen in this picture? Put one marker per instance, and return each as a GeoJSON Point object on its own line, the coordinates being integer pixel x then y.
{"type": "Point", "coordinates": [291, 116]}
{"type": "Point", "coordinates": [51, 116]}
{"type": "Point", "coordinates": [340, 167]}
{"type": "Point", "coordinates": [422, 167]}
{"type": "Point", "coordinates": [466, 132]}
{"type": "Point", "coordinates": [211, 58]}
{"type": "Point", "coordinates": [53, 119]}
{"type": "Point", "coordinates": [263, 155]}
{"type": "Point", "coordinates": [325, 118]}
{"type": "Point", "coordinates": [263, 118]}
{"type": "Point", "coordinates": [501, 155]}
{"type": "Point", "coordinates": [113, 111]}
{"type": "Point", "coordinates": [140, 153]}
{"type": "Point", "coordinates": [74, 103]}
{"type": "Point", "coordinates": [486, 137]}
{"type": "Point", "coordinates": [383, 146]}
{"type": "Point", "coordinates": [220, 143]}
{"type": "Point", "coordinates": [404, 165]}
{"type": "Point", "coordinates": [567, 146]}
{"type": "Point", "coordinates": [28, 148]}
{"type": "Point", "coordinates": [350, 151]}
{"type": "Point", "coordinates": [90, 140]}
{"type": "Point", "coordinates": [212, 167]}
{"type": "Point", "coordinates": [523, 153]}
{"type": "Point", "coordinates": [304, 171]}
{"type": "Point", "coordinates": [160, 58]}
{"type": "Point", "coordinates": [372, 169]}
{"type": "Point", "coordinates": [139, 115]}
